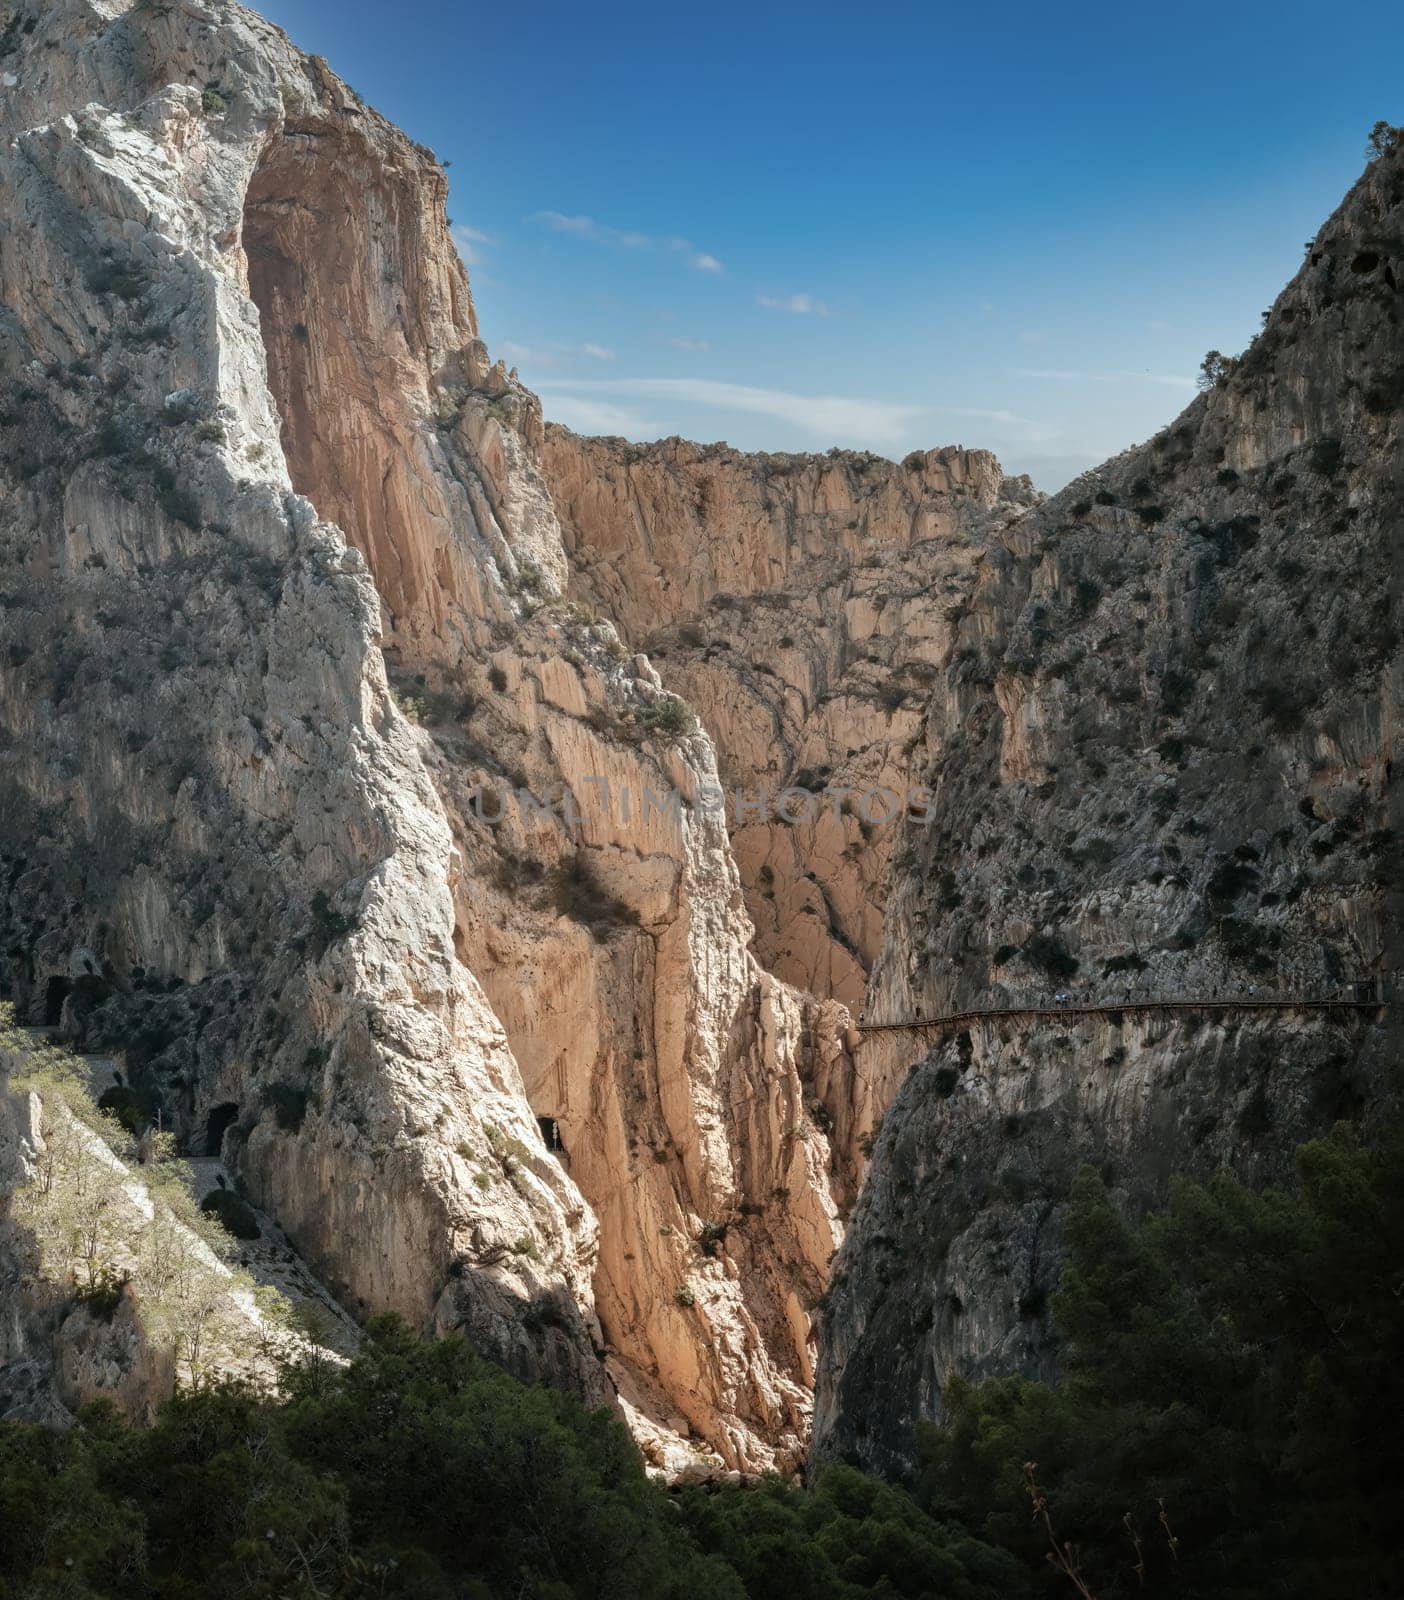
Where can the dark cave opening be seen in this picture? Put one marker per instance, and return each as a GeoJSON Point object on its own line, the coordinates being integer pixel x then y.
{"type": "Point", "coordinates": [220, 1121]}
{"type": "Point", "coordinates": [56, 992]}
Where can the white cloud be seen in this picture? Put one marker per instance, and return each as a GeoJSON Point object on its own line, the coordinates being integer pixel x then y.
{"type": "Point", "coordinates": [1030, 338]}
{"type": "Point", "coordinates": [827, 418]}
{"type": "Point", "coordinates": [800, 305]}
{"type": "Point", "coordinates": [696, 346]}
{"type": "Point", "coordinates": [600, 416]}
{"type": "Point", "coordinates": [1059, 375]}
{"type": "Point", "coordinates": [471, 242]}
{"type": "Point", "coordinates": [551, 355]}
{"type": "Point", "coordinates": [589, 228]}
{"type": "Point", "coordinates": [626, 239]}
{"type": "Point", "coordinates": [525, 353]}
{"type": "Point", "coordinates": [1008, 419]}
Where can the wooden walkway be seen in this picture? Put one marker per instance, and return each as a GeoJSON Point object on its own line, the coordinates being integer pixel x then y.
{"type": "Point", "coordinates": [1075, 1008]}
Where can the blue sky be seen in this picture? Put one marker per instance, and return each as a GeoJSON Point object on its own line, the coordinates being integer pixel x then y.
{"type": "Point", "coordinates": [888, 225]}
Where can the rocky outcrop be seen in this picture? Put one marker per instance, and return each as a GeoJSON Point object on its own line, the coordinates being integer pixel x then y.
{"type": "Point", "coordinates": [284, 600]}
{"type": "Point", "coordinates": [112, 1285]}
{"type": "Point", "coordinates": [802, 604]}
{"type": "Point", "coordinates": [1161, 754]}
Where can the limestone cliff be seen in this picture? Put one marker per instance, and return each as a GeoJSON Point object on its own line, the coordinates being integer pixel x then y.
{"type": "Point", "coordinates": [1161, 752]}
{"type": "Point", "coordinates": [803, 605]}
{"type": "Point", "coordinates": [284, 594]}
{"type": "Point", "coordinates": [353, 800]}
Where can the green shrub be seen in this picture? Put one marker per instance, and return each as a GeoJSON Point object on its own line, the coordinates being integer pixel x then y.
{"type": "Point", "coordinates": [1284, 703]}
{"type": "Point", "coordinates": [1326, 456]}
{"type": "Point", "coordinates": [134, 1110]}
{"type": "Point", "coordinates": [213, 103]}
{"type": "Point", "coordinates": [1050, 955]}
{"type": "Point", "coordinates": [577, 893]}
{"type": "Point", "coordinates": [1216, 369]}
{"type": "Point", "coordinates": [944, 1082]}
{"type": "Point", "coordinates": [120, 279]}
{"type": "Point", "coordinates": [289, 1104]}
{"type": "Point", "coordinates": [1176, 691]}
{"type": "Point", "coordinates": [1383, 138]}
{"type": "Point", "coordinates": [669, 716]}
{"type": "Point", "coordinates": [102, 1297]}
{"type": "Point", "coordinates": [1129, 962]}
{"type": "Point", "coordinates": [329, 924]}
{"type": "Point", "coordinates": [1229, 1398]}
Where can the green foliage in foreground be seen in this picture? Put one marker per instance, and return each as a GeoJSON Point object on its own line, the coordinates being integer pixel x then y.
{"type": "Point", "coordinates": [425, 1471]}
{"type": "Point", "coordinates": [1226, 1428]}
{"type": "Point", "coordinates": [1228, 1420]}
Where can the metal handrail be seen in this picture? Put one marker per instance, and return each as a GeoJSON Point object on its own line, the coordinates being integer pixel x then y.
{"type": "Point", "coordinates": [1076, 1008]}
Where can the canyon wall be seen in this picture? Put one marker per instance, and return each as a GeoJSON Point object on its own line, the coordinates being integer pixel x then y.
{"type": "Point", "coordinates": [1161, 754]}
{"type": "Point", "coordinates": [802, 604]}
{"type": "Point", "coordinates": [355, 794]}
{"type": "Point", "coordinates": [285, 639]}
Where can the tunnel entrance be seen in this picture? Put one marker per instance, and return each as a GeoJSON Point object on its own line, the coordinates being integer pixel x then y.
{"type": "Point", "coordinates": [551, 1135]}
{"type": "Point", "coordinates": [55, 994]}
{"type": "Point", "coordinates": [221, 1119]}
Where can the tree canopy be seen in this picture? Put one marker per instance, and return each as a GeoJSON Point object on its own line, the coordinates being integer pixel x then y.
{"type": "Point", "coordinates": [1227, 1420]}
{"type": "Point", "coordinates": [424, 1471]}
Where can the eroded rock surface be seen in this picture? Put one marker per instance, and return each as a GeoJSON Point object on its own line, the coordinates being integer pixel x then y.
{"type": "Point", "coordinates": [284, 592]}
{"type": "Point", "coordinates": [804, 605]}
{"type": "Point", "coordinates": [1162, 759]}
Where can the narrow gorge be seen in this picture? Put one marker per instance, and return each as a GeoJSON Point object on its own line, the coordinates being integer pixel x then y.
{"type": "Point", "coordinates": [393, 784]}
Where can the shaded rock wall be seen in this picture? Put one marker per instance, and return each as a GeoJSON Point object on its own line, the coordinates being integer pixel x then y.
{"type": "Point", "coordinates": [1163, 764]}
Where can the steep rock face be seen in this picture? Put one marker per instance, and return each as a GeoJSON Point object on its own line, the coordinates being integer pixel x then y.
{"type": "Point", "coordinates": [802, 604]}
{"type": "Point", "coordinates": [1162, 761]}
{"type": "Point", "coordinates": [225, 842]}
{"type": "Point", "coordinates": [256, 456]}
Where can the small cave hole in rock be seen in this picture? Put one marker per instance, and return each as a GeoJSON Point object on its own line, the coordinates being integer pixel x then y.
{"type": "Point", "coordinates": [54, 997]}
{"type": "Point", "coordinates": [221, 1119]}
{"type": "Point", "coordinates": [551, 1135]}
